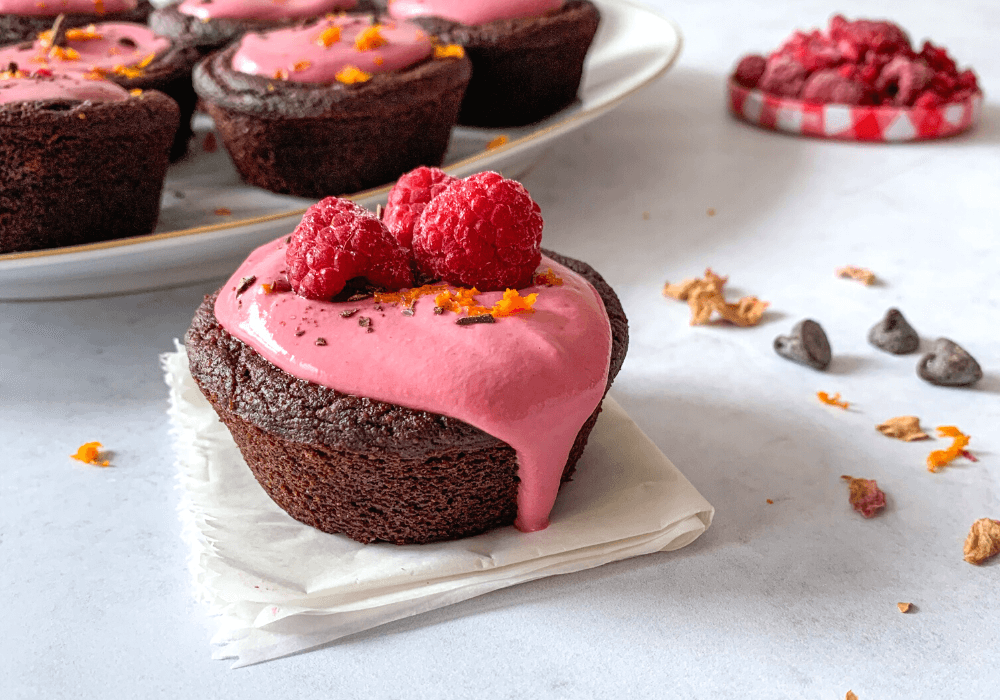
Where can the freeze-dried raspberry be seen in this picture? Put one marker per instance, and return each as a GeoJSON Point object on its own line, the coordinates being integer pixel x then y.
{"type": "Point", "coordinates": [337, 241]}
{"type": "Point", "coordinates": [927, 99]}
{"type": "Point", "coordinates": [783, 76]}
{"type": "Point", "coordinates": [409, 196]}
{"type": "Point", "coordinates": [830, 86]}
{"type": "Point", "coordinates": [865, 35]}
{"type": "Point", "coordinates": [483, 232]}
{"type": "Point", "coordinates": [750, 70]}
{"type": "Point", "coordinates": [938, 59]}
{"type": "Point", "coordinates": [813, 51]}
{"type": "Point", "coordinates": [902, 80]}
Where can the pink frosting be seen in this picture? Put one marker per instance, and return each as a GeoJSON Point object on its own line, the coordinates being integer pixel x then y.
{"type": "Point", "coordinates": [263, 9]}
{"type": "Point", "coordinates": [51, 8]}
{"type": "Point", "coordinates": [104, 53]}
{"type": "Point", "coordinates": [295, 51]}
{"type": "Point", "coordinates": [59, 87]}
{"type": "Point", "coordinates": [530, 380]}
{"type": "Point", "coordinates": [472, 11]}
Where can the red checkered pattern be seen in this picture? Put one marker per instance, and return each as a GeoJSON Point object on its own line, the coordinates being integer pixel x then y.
{"type": "Point", "coordinates": [853, 123]}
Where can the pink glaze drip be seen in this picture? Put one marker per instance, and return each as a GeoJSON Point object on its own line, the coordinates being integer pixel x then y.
{"type": "Point", "coordinates": [59, 87]}
{"type": "Point", "coordinates": [531, 380]}
{"type": "Point", "coordinates": [51, 8]}
{"type": "Point", "coordinates": [472, 11]}
{"type": "Point", "coordinates": [105, 53]}
{"type": "Point", "coordinates": [295, 52]}
{"type": "Point", "coordinates": [263, 9]}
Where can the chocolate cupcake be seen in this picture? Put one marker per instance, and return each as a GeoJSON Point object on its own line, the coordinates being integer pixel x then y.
{"type": "Point", "coordinates": [128, 54]}
{"type": "Point", "coordinates": [213, 24]}
{"type": "Point", "coordinates": [22, 20]}
{"type": "Point", "coordinates": [527, 55]}
{"type": "Point", "coordinates": [336, 106]}
{"type": "Point", "coordinates": [84, 160]}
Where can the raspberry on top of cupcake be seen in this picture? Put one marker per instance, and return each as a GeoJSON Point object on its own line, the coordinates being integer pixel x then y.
{"type": "Point", "coordinates": [860, 62]}
{"type": "Point", "coordinates": [262, 9]}
{"type": "Point", "coordinates": [531, 379]}
{"type": "Point", "coordinates": [469, 12]}
{"type": "Point", "coordinates": [339, 48]}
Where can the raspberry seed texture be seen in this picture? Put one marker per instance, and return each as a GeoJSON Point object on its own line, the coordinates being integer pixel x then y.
{"type": "Point", "coordinates": [408, 198]}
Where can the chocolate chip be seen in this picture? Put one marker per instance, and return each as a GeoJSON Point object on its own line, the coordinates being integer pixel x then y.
{"type": "Point", "coordinates": [347, 313]}
{"type": "Point", "coordinates": [321, 341]}
{"type": "Point", "coordinates": [127, 41]}
{"type": "Point", "coordinates": [364, 322]}
{"type": "Point", "coordinates": [377, 307]}
{"type": "Point", "coordinates": [358, 297]}
{"type": "Point", "coordinates": [472, 320]}
{"type": "Point", "coordinates": [245, 284]}
{"type": "Point", "coordinates": [894, 334]}
{"type": "Point", "coordinates": [12, 67]}
{"type": "Point", "coordinates": [948, 364]}
{"type": "Point", "coordinates": [438, 310]}
{"type": "Point", "coordinates": [281, 285]}
{"type": "Point", "coordinates": [807, 344]}
{"type": "Point", "coordinates": [299, 334]}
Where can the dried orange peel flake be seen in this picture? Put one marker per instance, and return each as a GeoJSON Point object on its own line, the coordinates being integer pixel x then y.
{"type": "Point", "coordinates": [832, 400]}
{"type": "Point", "coordinates": [370, 39]}
{"type": "Point", "coordinates": [547, 279]}
{"type": "Point", "coordinates": [983, 541]}
{"type": "Point", "coordinates": [407, 297]}
{"type": "Point", "coordinates": [449, 51]}
{"type": "Point", "coordinates": [89, 453]}
{"type": "Point", "coordinates": [940, 458]}
{"type": "Point", "coordinates": [328, 37]}
{"type": "Point", "coordinates": [497, 142]}
{"type": "Point", "coordinates": [861, 274]}
{"type": "Point", "coordinates": [513, 303]}
{"type": "Point", "coordinates": [349, 75]}
{"type": "Point", "coordinates": [903, 428]}
{"type": "Point", "coordinates": [705, 297]}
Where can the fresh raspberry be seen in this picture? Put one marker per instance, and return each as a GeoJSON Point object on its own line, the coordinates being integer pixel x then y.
{"type": "Point", "coordinates": [750, 70]}
{"type": "Point", "coordinates": [483, 232]}
{"type": "Point", "coordinates": [831, 87]}
{"type": "Point", "coordinates": [336, 241]}
{"type": "Point", "coordinates": [902, 80]}
{"type": "Point", "coordinates": [783, 76]}
{"type": "Point", "coordinates": [409, 196]}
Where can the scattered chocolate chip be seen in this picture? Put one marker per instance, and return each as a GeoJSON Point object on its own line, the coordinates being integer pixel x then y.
{"type": "Point", "coordinates": [179, 194]}
{"type": "Point", "coordinates": [288, 239]}
{"type": "Point", "coordinates": [245, 284]}
{"type": "Point", "coordinates": [407, 311]}
{"type": "Point", "coordinates": [281, 285]}
{"type": "Point", "coordinates": [364, 322]}
{"type": "Point", "coordinates": [949, 364]}
{"type": "Point", "coordinates": [358, 297]}
{"type": "Point", "coordinates": [321, 341]}
{"type": "Point", "coordinates": [59, 31]}
{"type": "Point", "coordinates": [349, 312]}
{"type": "Point", "coordinates": [807, 344]}
{"type": "Point", "coordinates": [299, 334]}
{"type": "Point", "coordinates": [472, 320]}
{"type": "Point", "coordinates": [127, 41]}
{"type": "Point", "coordinates": [438, 310]}
{"type": "Point", "coordinates": [12, 67]}
{"type": "Point", "coordinates": [370, 329]}
{"type": "Point", "coordinates": [894, 334]}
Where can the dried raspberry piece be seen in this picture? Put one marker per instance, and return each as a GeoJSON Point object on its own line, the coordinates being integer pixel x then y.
{"type": "Point", "coordinates": [750, 70]}
{"type": "Point", "coordinates": [409, 196]}
{"type": "Point", "coordinates": [928, 99]}
{"type": "Point", "coordinates": [863, 35]}
{"type": "Point", "coordinates": [830, 86]}
{"type": "Point", "coordinates": [814, 51]}
{"type": "Point", "coordinates": [483, 232]}
{"type": "Point", "coordinates": [938, 59]}
{"type": "Point", "coordinates": [783, 76]}
{"type": "Point", "coordinates": [336, 241]}
{"type": "Point", "coordinates": [902, 80]}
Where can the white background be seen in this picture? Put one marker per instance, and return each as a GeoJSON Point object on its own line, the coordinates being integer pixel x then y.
{"type": "Point", "coordinates": [795, 599]}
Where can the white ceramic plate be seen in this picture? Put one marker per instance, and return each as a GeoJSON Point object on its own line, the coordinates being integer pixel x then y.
{"type": "Point", "coordinates": [193, 242]}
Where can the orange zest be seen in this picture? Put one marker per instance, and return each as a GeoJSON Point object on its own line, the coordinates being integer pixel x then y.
{"type": "Point", "coordinates": [407, 297]}
{"type": "Point", "coordinates": [513, 303]}
{"type": "Point", "coordinates": [370, 38]}
{"type": "Point", "coordinates": [301, 66]}
{"type": "Point", "coordinates": [497, 142]}
{"type": "Point", "coordinates": [135, 92]}
{"type": "Point", "coordinates": [350, 75]}
{"type": "Point", "coordinates": [547, 279]}
{"type": "Point", "coordinates": [449, 51]}
{"type": "Point", "coordinates": [832, 400]}
{"type": "Point", "coordinates": [941, 458]}
{"type": "Point", "coordinates": [89, 453]}
{"type": "Point", "coordinates": [461, 299]}
{"type": "Point", "coordinates": [328, 37]}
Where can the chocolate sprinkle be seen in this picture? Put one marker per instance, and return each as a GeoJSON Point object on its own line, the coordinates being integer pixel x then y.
{"type": "Point", "coordinates": [349, 312]}
{"type": "Point", "coordinates": [59, 31]}
{"type": "Point", "coordinates": [365, 322]}
{"type": "Point", "coordinates": [438, 310]}
{"type": "Point", "coordinates": [299, 334]}
{"type": "Point", "coordinates": [127, 41]}
{"type": "Point", "coordinates": [358, 297]}
{"type": "Point", "coordinates": [245, 284]}
{"type": "Point", "coordinates": [473, 320]}
{"type": "Point", "coordinates": [321, 341]}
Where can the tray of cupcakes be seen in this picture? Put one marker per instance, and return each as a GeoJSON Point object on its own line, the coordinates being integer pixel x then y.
{"type": "Point", "coordinates": [139, 156]}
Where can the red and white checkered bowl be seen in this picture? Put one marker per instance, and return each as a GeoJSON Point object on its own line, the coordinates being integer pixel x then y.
{"type": "Point", "coordinates": [886, 124]}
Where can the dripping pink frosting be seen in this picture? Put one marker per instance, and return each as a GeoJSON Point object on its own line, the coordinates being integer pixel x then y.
{"type": "Point", "coordinates": [59, 87]}
{"type": "Point", "coordinates": [472, 11]}
{"type": "Point", "coordinates": [51, 8]}
{"type": "Point", "coordinates": [530, 380]}
{"type": "Point", "coordinates": [294, 51]}
{"type": "Point", "coordinates": [263, 9]}
{"type": "Point", "coordinates": [105, 53]}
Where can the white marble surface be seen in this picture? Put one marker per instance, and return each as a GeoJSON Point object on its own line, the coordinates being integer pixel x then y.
{"type": "Point", "coordinates": [791, 600]}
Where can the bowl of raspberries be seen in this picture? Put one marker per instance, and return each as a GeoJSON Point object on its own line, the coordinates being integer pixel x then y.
{"type": "Point", "coordinates": [860, 80]}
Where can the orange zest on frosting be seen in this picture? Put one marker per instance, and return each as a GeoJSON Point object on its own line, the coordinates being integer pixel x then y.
{"type": "Point", "coordinates": [135, 92]}
{"type": "Point", "coordinates": [350, 75]}
{"type": "Point", "coordinates": [449, 51]}
{"type": "Point", "coordinates": [89, 453]}
{"type": "Point", "coordinates": [407, 297]}
{"type": "Point", "coordinates": [370, 39]}
{"type": "Point", "coordinates": [280, 74]}
{"type": "Point", "coordinates": [941, 458]}
{"type": "Point", "coordinates": [301, 66]}
{"type": "Point", "coordinates": [461, 299]}
{"type": "Point", "coordinates": [547, 279]}
{"type": "Point", "coordinates": [832, 400]}
{"type": "Point", "coordinates": [513, 303]}
{"type": "Point", "coordinates": [328, 37]}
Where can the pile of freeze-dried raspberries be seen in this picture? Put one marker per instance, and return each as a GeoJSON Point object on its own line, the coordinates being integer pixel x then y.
{"type": "Point", "coordinates": [863, 62]}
